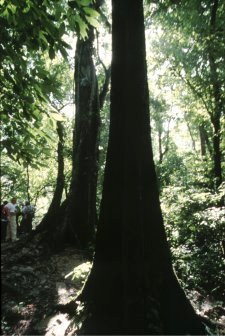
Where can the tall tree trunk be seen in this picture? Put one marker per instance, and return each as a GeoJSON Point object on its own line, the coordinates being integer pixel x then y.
{"type": "Point", "coordinates": [49, 220]}
{"type": "Point", "coordinates": [218, 101]}
{"type": "Point", "coordinates": [76, 220]}
{"type": "Point", "coordinates": [132, 288]}
{"type": "Point", "coordinates": [81, 213]}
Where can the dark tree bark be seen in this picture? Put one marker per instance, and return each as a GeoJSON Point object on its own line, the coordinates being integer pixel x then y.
{"type": "Point", "coordinates": [207, 140]}
{"type": "Point", "coordinates": [132, 288]}
{"type": "Point", "coordinates": [206, 148]}
{"type": "Point", "coordinates": [81, 214]}
{"type": "Point", "coordinates": [49, 221]}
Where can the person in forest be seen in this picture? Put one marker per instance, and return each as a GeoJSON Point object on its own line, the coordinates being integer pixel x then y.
{"type": "Point", "coordinates": [4, 220]}
{"type": "Point", "coordinates": [11, 210]}
{"type": "Point", "coordinates": [18, 214]}
{"type": "Point", "coordinates": [28, 215]}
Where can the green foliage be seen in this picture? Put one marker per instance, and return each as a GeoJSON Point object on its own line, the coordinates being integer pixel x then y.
{"type": "Point", "coordinates": [79, 273]}
{"type": "Point", "coordinates": [80, 16]}
{"type": "Point", "coordinates": [172, 170]}
{"type": "Point", "coordinates": [195, 223]}
{"type": "Point", "coordinates": [103, 144]}
{"type": "Point", "coordinates": [190, 46]}
{"type": "Point", "coordinates": [32, 34]}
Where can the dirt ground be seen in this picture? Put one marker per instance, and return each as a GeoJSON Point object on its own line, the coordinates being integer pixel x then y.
{"type": "Point", "coordinates": [39, 291]}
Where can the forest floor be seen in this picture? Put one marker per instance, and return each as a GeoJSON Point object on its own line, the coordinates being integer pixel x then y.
{"type": "Point", "coordinates": [39, 291]}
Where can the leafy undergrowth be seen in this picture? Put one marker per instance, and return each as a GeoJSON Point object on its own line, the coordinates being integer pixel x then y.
{"type": "Point", "coordinates": [39, 291]}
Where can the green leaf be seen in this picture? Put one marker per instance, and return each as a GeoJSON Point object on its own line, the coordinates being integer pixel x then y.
{"type": "Point", "coordinates": [91, 12]}
{"type": "Point", "coordinates": [12, 8]}
{"type": "Point", "coordinates": [82, 26]}
{"type": "Point", "coordinates": [43, 38]}
{"type": "Point", "coordinates": [62, 29]}
{"type": "Point", "coordinates": [51, 53]}
{"type": "Point", "coordinates": [57, 116]}
{"type": "Point", "coordinates": [58, 12]}
{"type": "Point", "coordinates": [5, 13]}
{"type": "Point", "coordinates": [66, 45]}
{"type": "Point", "coordinates": [84, 2]}
{"type": "Point", "coordinates": [93, 22]}
{"type": "Point", "coordinates": [63, 52]}
{"type": "Point", "coordinates": [26, 9]}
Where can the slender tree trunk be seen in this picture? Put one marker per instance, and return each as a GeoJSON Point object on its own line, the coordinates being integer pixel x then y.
{"type": "Point", "coordinates": [160, 147]}
{"type": "Point", "coordinates": [49, 220]}
{"type": "Point", "coordinates": [207, 140]}
{"type": "Point", "coordinates": [216, 144]}
{"type": "Point", "coordinates": [191, 134]}
{"type": "Point", "coordinates": [202, 140]}
{"type": "Point", "coordinates": [28, 183]}
{"type": "Point", "coordinates": [132, 288]}
{"type": "Point", "coordinates": [162, 152]}
{"type": "Point", "coordinates": [218, 101]}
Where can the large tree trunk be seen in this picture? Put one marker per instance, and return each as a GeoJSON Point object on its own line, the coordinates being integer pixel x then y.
{"type": "Point", "coordinates": [80, 217]}
{"type": "Point", "coordinates": [81, 213]}
{"type": "Point", "coordinates": [75, 221]}
{"type": "Point", "coordinates": [132, 288]}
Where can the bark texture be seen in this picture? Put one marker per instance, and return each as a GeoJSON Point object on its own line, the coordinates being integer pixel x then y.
{"type": "Point", "coordinates": [81, 215]}
{"type": "Point", "coordinates": [132, 288]}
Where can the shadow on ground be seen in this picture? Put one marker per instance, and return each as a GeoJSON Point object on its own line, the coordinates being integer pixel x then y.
{"type": "Point", "coordinates": [39, 290]}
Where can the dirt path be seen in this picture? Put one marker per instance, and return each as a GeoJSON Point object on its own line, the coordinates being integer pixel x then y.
{"type": "Point", "coordinates": [38, 291]}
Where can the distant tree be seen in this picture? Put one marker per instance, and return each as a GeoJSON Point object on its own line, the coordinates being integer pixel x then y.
{"type": "Point", "coordinates": [193, 47]}
{"type": "Point", "coordinates": [60, 95]}
{"type": "Point", "coordinates": [161, 121]}
{"type": "Point", "coordinates": [132, 288]}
